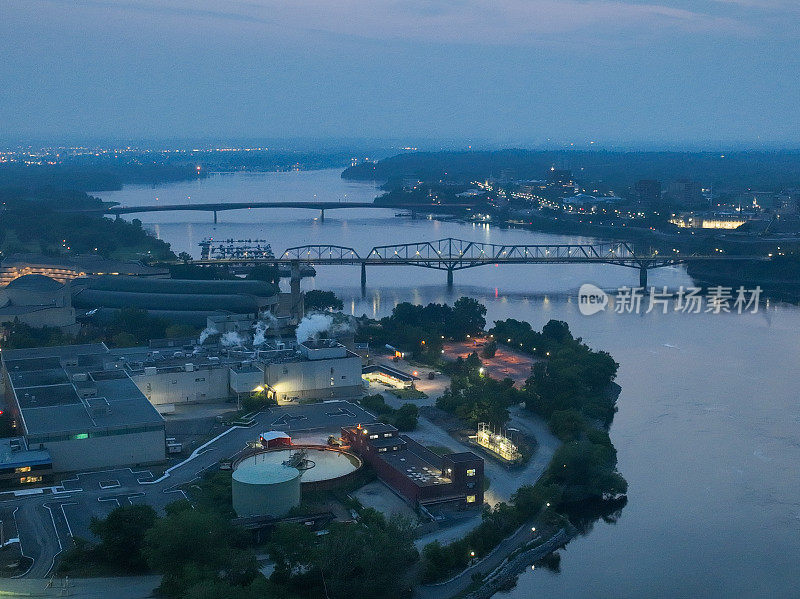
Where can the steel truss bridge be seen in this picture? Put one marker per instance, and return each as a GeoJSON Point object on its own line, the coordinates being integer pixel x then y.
{"type": "Point", "coordinates": [451, 254]}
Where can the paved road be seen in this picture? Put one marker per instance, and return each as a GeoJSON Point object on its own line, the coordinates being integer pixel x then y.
{"type": "Point", "coordinates": [47, 521]}
{"type": "Point", "coordinates": [461, 581]}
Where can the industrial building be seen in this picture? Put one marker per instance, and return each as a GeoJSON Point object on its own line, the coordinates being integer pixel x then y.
{"type": "Point", "coordinates": [413, 471]}
{"type": "Point", "coordinates": [78, 404]}
{"type": "Point", "coordinates": [187, 301]}
{"type": "Point", "coordinates": [38, 301]}
{"type": "Point", "coordinates": [319, 369]}
{"type": "Point", "coordinates": [286, 372]}
{"type": "Point", "coordinates": [20, 466]}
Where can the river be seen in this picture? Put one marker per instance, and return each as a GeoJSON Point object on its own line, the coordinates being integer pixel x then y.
{"type": "Point", "coordinates": [708, 429]}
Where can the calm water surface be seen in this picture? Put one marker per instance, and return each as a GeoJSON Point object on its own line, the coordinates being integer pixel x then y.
{"type": "Point", "coordinates": [708, 429]}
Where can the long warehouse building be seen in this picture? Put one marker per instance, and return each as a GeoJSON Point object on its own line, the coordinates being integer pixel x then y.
{"type": "Point", "coordinates": [78, 404]}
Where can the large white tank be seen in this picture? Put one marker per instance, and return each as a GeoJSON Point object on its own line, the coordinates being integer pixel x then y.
{"type": "Point", "coordinates": [265, 489]}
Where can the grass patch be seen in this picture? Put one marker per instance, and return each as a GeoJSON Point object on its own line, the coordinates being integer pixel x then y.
{"type": "Point", "coordinates": [410, 393]}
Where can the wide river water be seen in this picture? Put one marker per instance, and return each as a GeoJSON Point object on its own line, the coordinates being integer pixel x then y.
{"type": "Point", "coordinates": [708, 429]}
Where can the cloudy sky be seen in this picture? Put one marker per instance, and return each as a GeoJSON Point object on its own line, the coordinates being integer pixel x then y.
{"type": "Point", "coordinates": [496, 71]}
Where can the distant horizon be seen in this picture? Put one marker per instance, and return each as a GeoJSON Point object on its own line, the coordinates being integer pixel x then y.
{"type": "Point", "coordinates": [332, 145]}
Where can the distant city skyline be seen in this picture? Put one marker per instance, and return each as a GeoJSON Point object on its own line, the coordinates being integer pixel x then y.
{"type": "Point", "coordinates": [528, 73]}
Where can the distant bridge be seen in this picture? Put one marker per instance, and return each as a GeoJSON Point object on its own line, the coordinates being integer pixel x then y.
{"type": "Point", "coordinates": [222, 206]}
{"type": "Point", "coordinates": [451, 254]}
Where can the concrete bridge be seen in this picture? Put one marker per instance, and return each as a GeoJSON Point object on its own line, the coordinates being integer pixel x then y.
{"type": "Point", "coordinates": [451, 254]}
{"type": "Point", "coordinates": [223, 206]}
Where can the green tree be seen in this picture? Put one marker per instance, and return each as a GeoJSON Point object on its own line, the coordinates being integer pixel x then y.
{"type": "Point", "coordinates": [320, 301]}
{"type": "Point", "coordinates": [490, 349]}
{"type": "Point", "coordinates": [122, 534]}
{"type": "Point", "coordinates": [189, 546]}
{"type": "Point", "coordinates": [469, 318]}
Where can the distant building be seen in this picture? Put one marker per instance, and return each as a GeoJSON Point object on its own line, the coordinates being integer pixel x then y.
{"type": "Point", "coordinates": [78, 404]}
{"type": "Point", "coordinates": [64, 268]}
{"type": "Point", "coordinates": [421, 476]}
{"type": "Point", "coordinates": [685, 192]}
{"type": "Point", "coordinates": [709, 220]}
{"type": "Point", "coordinates": [38, 301]}
{"type": "Point", "coordinates": [648, 192]}
{"type": "Point", "coordinates": [561, 180]}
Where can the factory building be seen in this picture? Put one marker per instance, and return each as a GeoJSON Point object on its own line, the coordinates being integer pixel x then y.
{"type": "Point", "coordinates": [187, 301]}
{"type": "Point", "coordinates": [413, 471]}
{"type": "Point", "coordinates": [317, 369]}
{"type": "Point", "coordinates": [78, 404]}
{"type": "Point", "coordinates": [288, 372]}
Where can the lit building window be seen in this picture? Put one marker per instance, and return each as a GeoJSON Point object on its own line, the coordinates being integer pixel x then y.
{"type": "Point", "coordinates": [470, 498]}
{"type": "Point", "coordinates": [471, 472]}
{"type": "Point", "coordinates": [22, 469]}
{"type": "Point", "coordinates": [30, 479]}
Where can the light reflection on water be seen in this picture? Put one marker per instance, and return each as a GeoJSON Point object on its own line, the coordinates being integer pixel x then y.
{"type": "Point", "coordinates": [708, 429]}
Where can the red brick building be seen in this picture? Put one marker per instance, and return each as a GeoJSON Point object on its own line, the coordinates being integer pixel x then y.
{"type": "Point", "coordinates": [415, 472]}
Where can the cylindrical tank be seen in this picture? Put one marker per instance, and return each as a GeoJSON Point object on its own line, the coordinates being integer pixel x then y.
{"type": "Point", "coordinates": [264, 489]}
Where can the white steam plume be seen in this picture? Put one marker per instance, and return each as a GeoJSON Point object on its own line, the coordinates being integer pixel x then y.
{"type": "Point", "coordinates": [266, 321]}
{"type": "Point", "coordinates": [312, 326]}
{"type": "Point", "coordinates": [232, 339]}
{"type": "Point", "coordinates": [207, 332]}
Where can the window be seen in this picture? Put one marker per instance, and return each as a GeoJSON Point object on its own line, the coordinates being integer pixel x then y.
{"type": "Point", "coordinates": [30, 479]}
{"type": "Point", "coordinates": [80, 436]}
{"type": "Point", "coordinates": [343, 377]}
{"type": "Point", "coordinates": [471, 472]}
{"type": "Point", "coordinates": [373, 436]}
{"type": "Point", "coordinates": [470, 498]}
{"type": "Point", "coordinates": [381, 449]}
{"type": "Point", "coordinates": [22, 469]}
{"type": "Point", "coordinates": [200, 380]}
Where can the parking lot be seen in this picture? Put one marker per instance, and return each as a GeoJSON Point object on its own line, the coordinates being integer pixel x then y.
{"type": "Point", "coordinates": [505, 363]}
{"type": "Point", "coordinates": [49, 519]}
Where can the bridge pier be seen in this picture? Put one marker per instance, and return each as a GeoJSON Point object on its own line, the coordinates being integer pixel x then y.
{"type": "Point", "coordinates": [363, 279]}
{"type": "Point", "coordinates": [449, 278]}
{"type": "Point", "coordinates": [643, 276]}
{"type": "Point", "coordinates": [322, 216]}
{"type": "Point", "coordinates": [215, 217]}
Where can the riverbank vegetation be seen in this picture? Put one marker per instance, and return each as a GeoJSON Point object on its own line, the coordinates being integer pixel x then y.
{"type": "Point", "coordinates": [420, 330]}
{"type": "Point", "coordinates": [570, 377]}
{"type": "Point", "coordinates": [33, 223]}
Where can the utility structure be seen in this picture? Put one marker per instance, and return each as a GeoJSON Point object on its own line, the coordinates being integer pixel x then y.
{"type": "Point", "coordinates": [451, 254]}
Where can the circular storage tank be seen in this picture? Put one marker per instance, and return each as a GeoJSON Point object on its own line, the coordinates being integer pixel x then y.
{"type": "Point", "coordinates": [265, 489]}
{"type": "Point", "coordinates": [322, 464]}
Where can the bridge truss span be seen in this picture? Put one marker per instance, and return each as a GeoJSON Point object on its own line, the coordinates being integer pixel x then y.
{"type": "Point", "coordinates": [456, 254]}
{"type": "Point", "coordinates": [322, 254]}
